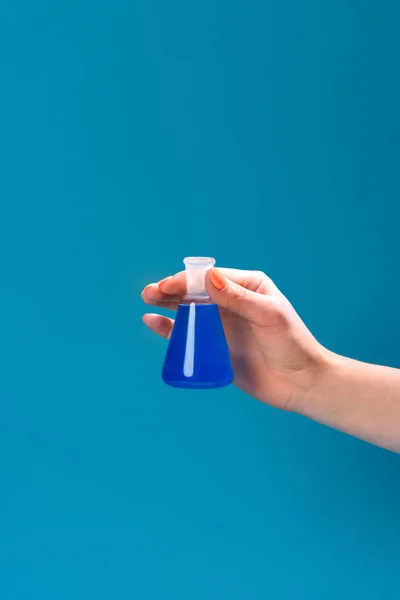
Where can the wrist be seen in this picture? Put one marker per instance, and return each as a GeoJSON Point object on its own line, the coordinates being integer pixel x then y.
{"type": "Point", "coordinates": [314, 382]}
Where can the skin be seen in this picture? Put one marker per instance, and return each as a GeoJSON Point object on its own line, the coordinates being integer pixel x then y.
{"type": "Point", "coordinates": [278, 361]}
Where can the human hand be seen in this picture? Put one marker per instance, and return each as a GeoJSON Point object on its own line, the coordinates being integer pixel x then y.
{"type": "Point", "coordinates": [275, 358]}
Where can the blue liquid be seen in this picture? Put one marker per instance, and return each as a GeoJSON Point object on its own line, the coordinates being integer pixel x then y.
{"type": "Point", "coordinates": [197, 355]}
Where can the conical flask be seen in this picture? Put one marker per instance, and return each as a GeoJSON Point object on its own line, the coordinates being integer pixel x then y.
{"type": "Point", "coordinates": [197, 355]}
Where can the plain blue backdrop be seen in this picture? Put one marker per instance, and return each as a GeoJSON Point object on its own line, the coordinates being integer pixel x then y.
{"type": "Point", "coordinates": [133, 133]}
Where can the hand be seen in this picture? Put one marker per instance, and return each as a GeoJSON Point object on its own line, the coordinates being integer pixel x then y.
{"type": "Point", "coordinates": [275, 358]}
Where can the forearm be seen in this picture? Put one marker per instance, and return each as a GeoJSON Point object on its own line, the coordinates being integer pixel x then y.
{"type": "Point", "coordinates": [357, 398]}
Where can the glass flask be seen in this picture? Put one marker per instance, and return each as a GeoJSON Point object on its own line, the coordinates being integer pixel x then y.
{"type": "Point", "coordinates": [197, 355]}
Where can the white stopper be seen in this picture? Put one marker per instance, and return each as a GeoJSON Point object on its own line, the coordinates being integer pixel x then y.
{"type": "Point", "coordinates": [196, 269]}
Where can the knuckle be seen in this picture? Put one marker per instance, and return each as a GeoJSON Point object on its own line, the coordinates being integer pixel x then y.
{"type": "Point", "coordinates": [265, 283]}
{"type": "Point", "coordinates": [266, 279]}
{"type": "Point", "coordinates": [238, 294]}
{"type": "Point", "coordinates": [281, 314]}
{"type": "Point", "coordinates": [275, 305]}
{"type": "Point", "coordinates": [274, 314]}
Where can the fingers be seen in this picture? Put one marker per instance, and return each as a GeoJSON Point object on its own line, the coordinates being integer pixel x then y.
{"type": "Point", "coordinates": [174, 285]}
{"type": "Point", "coordinates": [255, 281]}
{"type": "Point", "coordinates": [154, 296]}
{"type": "Point", "coordinates": [169, 291]}
{"type": "Point", "coordinates": [159, 324]}
{"type": "Point", "coordinates": [251, 294]}
{"type": "Point", "coordinates": [260, 309]}
{"type": "Point", "coordinates": [252, 280]}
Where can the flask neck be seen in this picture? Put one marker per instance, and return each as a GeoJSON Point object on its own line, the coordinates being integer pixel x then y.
{"type": "Point", "coordinates": [196, 269]}
{"type": "Point", "coordinates": [202, 298]}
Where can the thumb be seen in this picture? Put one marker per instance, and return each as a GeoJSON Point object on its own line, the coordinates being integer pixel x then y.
{"type": "Point", "coordinates": [257, 308]}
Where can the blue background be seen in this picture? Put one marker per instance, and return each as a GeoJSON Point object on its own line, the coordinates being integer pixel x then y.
{"type": "Point", "coordinates": [133, 133]}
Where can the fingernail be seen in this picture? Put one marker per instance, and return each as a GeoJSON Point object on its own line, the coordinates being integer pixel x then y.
{"type": "Point", "coordinates": [217, 279]}
{"type": "Point", "coordinates": [164, 280]}
{"type": "Point", "coordinates": [145, 289]}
